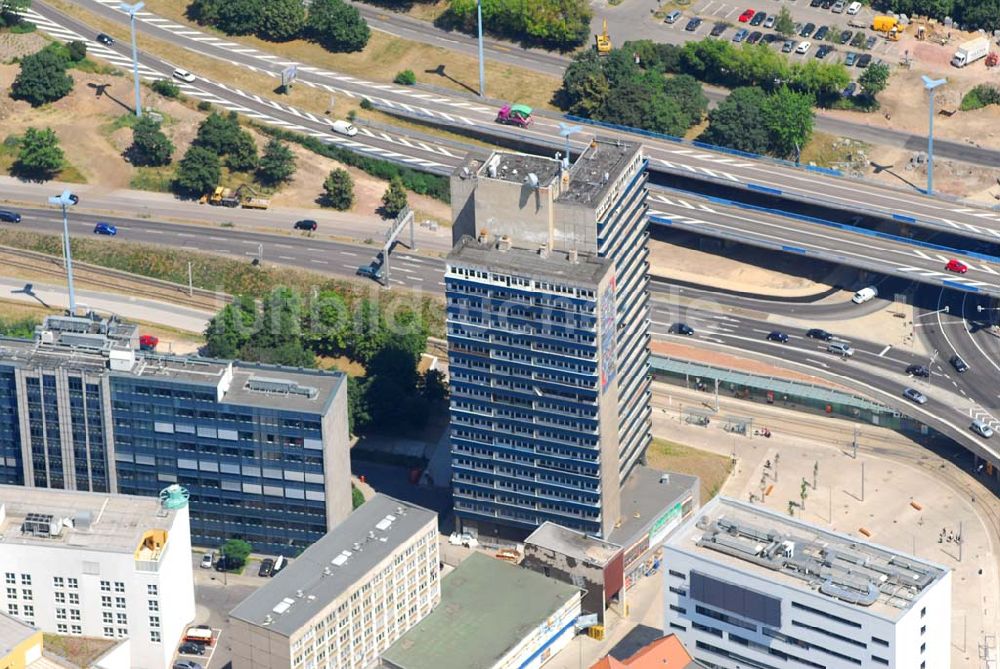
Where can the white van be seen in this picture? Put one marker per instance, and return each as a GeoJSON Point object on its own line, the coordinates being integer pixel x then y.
{"type": "Point", "coordinates": [344, 128]}
{"type": "Point", "coordinates": [853, 8]}
{"type": "Point", "coordinates": [673, 16]}
{"type": "Point", "coordinates": [865, 295]}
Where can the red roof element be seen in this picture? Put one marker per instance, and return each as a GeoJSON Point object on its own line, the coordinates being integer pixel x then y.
{"type": "Point", "coordinates": [665, 653]}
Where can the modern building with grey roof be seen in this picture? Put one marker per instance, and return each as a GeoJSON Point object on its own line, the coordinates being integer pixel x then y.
{"type": "Point", "coordinates": [752, 587]}
{"type": "Point", "coordinates": [547, 322]}
{"type": "Point", "coordinates": [348, 596]}
{"type": "Point", "coordinates": [262, 449]}
{"type": "Point", "coordinates": [492, 614]}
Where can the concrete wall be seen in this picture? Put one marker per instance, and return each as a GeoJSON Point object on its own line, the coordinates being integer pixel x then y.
{"type": "Point", "coordinates": [119, 657]}
{"type": "Point", "coordinates": [515, 209]}
{"type": "Point", "coordinates": [587, 576]}
{"type": "Point", "coordinates": [337, 459]}
{"type": "Point", "coordinates": [175, 588]}
{"type": "Point", "coordinates": [545, 641]}
{"type": "Point", "coordinates": [608, 416]}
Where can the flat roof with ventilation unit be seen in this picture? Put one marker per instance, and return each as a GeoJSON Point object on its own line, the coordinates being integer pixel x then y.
{"type": "Point", "coordinates": [334, 564]}
{"type": "Point", "coordinates": [264, 384]}
{"type": "Point", "coordinates": [751, 539]}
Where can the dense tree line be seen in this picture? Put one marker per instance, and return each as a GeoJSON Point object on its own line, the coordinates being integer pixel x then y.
{"type": "Point", "coordinates": [615, 89]}
{"type": "Point", "coordinates": [657, 87]}
{"type": "Point", "coordinates": [972, 14]}
{"type": "Point", "coordinates": [222, 141]}
{"type": "Point", "coordinates": [334, 24]}
{"type": "Point", "coordinates": [287, 329]}
{"type": "Point", "coordinates": [561, 24]}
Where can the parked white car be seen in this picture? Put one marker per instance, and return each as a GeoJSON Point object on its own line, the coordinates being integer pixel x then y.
{"type": "Point", "coordinates": [183, 75]}
{"type": "Point", "coordinates": [803, 47]}
{"type": "Point", "coordinates": [206, 561]}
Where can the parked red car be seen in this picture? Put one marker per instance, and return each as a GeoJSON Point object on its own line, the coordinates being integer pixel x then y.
{"type": "Point", "coordinates": [747, 15]}
{"type": "Point", "coordinates": [956, 266]}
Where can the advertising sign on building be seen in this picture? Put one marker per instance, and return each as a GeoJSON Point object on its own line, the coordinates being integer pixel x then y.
{"type": "Point", "coordinates": [664, 524]}
{"type": "Point", "coordinates": [608, 335]}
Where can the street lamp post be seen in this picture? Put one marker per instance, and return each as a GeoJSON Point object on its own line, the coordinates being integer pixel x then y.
{"type": "Point", "coordinates": [131, 10]}
{"type": "Point", "coordinates": [566, 130]}
{"type": "Point", "coordinates": [64, 200]}
{"type": "Point", "coordinates": [930, 85]}
{"type": "Point", "coordinates": [482, 71]}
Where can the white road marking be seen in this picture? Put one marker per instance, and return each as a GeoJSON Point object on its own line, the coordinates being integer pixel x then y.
{"type": "Point", "coordinates": [885, 350]}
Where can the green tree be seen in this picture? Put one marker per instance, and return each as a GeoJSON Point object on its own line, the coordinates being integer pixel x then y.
{"type": "Point", "coordinates": [337, 26]}
{"type": "Point", "coordinates": [338, 190]}
{"type": "Point", "coordinates": [784, 25]}
{"type": "Point", "coordinates": [218, 133]}
{"type": "Point", "coordinates": [434, 386]}
{"type": "Point", "coordinates": [642, 102]}
{"type": "Point", "coordinates": [39, 156]}
{"type": "Point", "coordinates": [282, 20]}
{"type": "Point", "coordinates": [236, 552]}
{"type": "Point", "coordinates": [241, 155]}
{"type": "Point", "coordinates": [738, 122]}
{"type": "Point", "coordinates": [359, 416]}
{"type": "Point", "coordinates": [585, 87]}
{"type": "Point", "coordinates": [149, 145]}
{"type": "Point", "coordinates": [277, 165]}
{"type": "Point", "coordinates": [788, 117]}
{"type": "Point", "coordinates": [288, 354]}
{"type": "Point", "coordinates": [561, 24]}
{"type": "Point", "coordinates": [824, 81]}
{"type": "Point", "coordinates": [281, 318]}
{"type": "Point", "coordinates": [976, 14]}
{"type": "Point", "coordinates": [77, 50]}
{"type": "Point", "coordinates": [874, 79]}
{"type": "Point", "coordinates": [198, 172]}
{"type": "Point", "coordinates": [42, 78]}
{"type": "Point", "coordinates": [687, 92]}
{"type": "Point", "coordinates": [394, 198]}
{"type": "Point", "coordinates": [10, 11]}
{"type": "Point", "coordinates": [329, 324]}
{"type": "Point", "coordinates": [357, 497]}
{"type": "Point", "coordinates": [370, 332]}
{"type": "Point", "coordinates": [239, 17]}
{"type": "Point", "coordinates": [231, 328]}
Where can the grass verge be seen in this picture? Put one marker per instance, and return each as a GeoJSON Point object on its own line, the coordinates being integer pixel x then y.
{"type": "Point", "coordinates": [234, 277]}
{"type": "Point", "coordinates": [831, 151]}
{"type": "Point", "coordinates": [387, 54]}
{"type": "Point", "coordinates": [711, 468]}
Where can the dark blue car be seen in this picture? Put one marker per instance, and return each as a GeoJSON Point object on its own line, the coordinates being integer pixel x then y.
{"type": "Point", "coordinates": [105, 229]}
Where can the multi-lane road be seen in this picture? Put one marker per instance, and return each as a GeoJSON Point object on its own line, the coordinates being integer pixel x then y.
{"type": "Point", "coordinates": [838, 244]}
{"type": "Point", "coordinates": [761, 176]}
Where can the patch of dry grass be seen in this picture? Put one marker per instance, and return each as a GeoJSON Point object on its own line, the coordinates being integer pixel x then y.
{"type": "Point", "coordinates": [387, 54]}
{"type": "Point", "coordinates": [711, 468]}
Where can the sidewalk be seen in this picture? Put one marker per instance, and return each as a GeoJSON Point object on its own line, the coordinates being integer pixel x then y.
{"type": "Point", "coordinates": [95, 199]}
{"type": "Point", "coordinates": [129, 308]}
{"type": "Point", "coordinates": [902, 494]}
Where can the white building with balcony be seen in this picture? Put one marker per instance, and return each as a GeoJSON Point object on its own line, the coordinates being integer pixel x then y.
{"type": "Point", "coordinates": [99, 565]}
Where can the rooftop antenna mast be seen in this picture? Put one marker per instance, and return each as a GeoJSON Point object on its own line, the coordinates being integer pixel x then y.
{"type": "Point", "coordinates": [565, 130]}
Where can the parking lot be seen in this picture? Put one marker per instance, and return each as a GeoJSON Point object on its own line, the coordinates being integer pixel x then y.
{"type": "Point", "coordinates": [203, 659]}
{"type": "Point", "coordinates": [634, 19]}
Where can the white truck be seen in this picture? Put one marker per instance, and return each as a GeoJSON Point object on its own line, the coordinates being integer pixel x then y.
{"type": "Point", "coordinates": [971, 51]}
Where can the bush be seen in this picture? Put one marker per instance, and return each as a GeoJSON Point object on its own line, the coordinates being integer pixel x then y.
{"type": "Point", "coordinates": [419, 182]}
{"type": "Point", "coordinates": [366, 104]}
{"type": "Point", "coordinates": [338, 190]}
{"type": "Point", "coordinates": [357, 497]}
{"type": "Point", "coordinates": [39, 156]}
{"type": "Point", "coordinates": [282, 20]}
{"type": "Point", "coordinates": [980, 96]}
{"type": "Point", "coordinates": [204, 105]}
{"type": "Point", "coordinates": [405, 78]}
{"type": "Point", "coordinates": [166, 88]}
{"type": "Point", "coordinates": [77, 50]}
{"type": "Point", "coordinates": [561, 24]}
{"type": "Point", "coordinates": [42, 78]}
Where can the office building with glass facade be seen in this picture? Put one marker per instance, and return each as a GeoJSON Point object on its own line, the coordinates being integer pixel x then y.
{"type": "Point", "coordinates": [262, 449]}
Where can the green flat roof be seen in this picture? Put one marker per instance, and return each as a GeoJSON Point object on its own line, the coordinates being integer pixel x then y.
{"type": "Point", "coordinates": [487, 607]}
